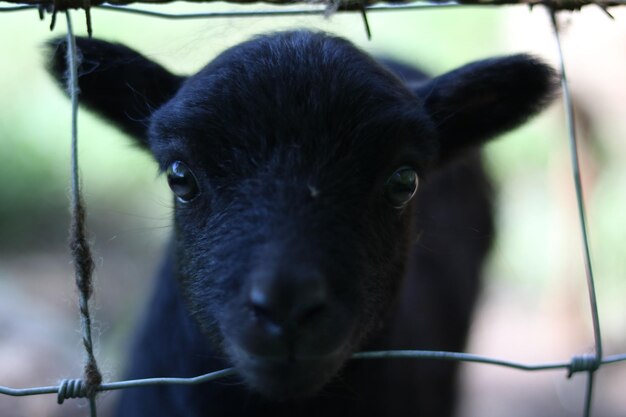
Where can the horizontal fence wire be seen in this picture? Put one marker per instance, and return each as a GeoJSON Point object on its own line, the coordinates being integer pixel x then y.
{"type": "Point", "coordinates": [290, 8]}
{"type": "Point", "coordinates": [577, 364]}
{"type": "Point", "coordinates": [86, 388]}
{"type": "Point", "coordinates": [335, 5]}
{"type": "Point", "coordinates": [312, 10]}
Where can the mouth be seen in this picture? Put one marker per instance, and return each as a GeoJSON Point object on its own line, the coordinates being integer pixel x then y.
{"type": "Point", "coordinates": [285, 378]}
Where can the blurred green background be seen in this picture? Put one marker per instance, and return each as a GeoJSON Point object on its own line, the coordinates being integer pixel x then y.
{"type": "Point", "coordinates": [534, 308]}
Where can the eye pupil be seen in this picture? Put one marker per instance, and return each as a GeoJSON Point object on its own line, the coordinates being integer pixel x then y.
{"type": "Point", "coordinates": [182, 181]}
{"type": "Point", "coordinates": [401, 186]}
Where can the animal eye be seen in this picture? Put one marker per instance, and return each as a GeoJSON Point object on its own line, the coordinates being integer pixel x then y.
{"type": "Point", "coordinates": [401, 186]}
{"type": "Point", "coordinates": [182, 181]}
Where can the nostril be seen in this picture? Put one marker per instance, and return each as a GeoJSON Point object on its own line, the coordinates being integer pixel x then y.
{"type": "Point", "coordinates": [261, 313]}
{"type": "Point", "coordinates": [267, 319]}
{"type": "Point", "coordinates": [263, 306]}
{"type": "Point", "coordinates": [309, 313]}
{"type": "Point", "coordinates": [312, 302]}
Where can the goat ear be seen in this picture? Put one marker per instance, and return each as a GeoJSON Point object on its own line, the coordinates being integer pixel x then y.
{"type": "Point", "coordinates": [481, 100]}
{"type": "Point", "coordinates": [116, 82]}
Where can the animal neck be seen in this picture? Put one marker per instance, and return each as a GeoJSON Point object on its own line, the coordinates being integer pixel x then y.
{"type": "Point", "coordinates": [171, 343]}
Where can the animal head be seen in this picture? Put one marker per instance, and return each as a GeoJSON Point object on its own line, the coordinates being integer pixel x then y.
{"type": "Point", "coordinates": [294, 159]}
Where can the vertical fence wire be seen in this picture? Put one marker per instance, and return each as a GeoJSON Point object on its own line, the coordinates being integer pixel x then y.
{"type": "Point", "coordinates": [575, 161]}
{"type": "Point", "coordinates": [79, 246]}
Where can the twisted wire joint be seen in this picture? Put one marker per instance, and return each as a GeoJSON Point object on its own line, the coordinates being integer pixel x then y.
{"type": "Point", "coordinates": [71, 388]}
{"type": "Point", "coordinates": [582, 363]}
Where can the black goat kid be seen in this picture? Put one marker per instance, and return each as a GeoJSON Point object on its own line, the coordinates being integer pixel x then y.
{"type": "Point", "coordinates": [294, 159]}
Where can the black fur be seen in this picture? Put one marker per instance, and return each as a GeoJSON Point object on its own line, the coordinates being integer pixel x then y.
{"type": "Point", "coordinates": [291, 257]}
{"type": "Point", "coordinates": [125, 87]}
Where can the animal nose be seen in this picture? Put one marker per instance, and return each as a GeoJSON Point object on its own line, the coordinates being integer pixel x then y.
{"type": "Point", "coordinates": [284, 301]}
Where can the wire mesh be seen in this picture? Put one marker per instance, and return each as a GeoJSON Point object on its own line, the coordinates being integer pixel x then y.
{"type": "Point", "coordinates": [91, 384]}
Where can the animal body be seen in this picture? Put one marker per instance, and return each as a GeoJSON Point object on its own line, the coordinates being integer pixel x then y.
{"type": "Point", "coordinates": [325, 203]}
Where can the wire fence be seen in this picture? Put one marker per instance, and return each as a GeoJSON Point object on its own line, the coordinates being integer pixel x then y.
{"type": "Point", "coordinates": [91, 383]}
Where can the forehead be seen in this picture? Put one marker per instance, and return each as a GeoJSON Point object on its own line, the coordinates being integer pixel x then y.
{"type": "Point", "coordinates": [295, 94]}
